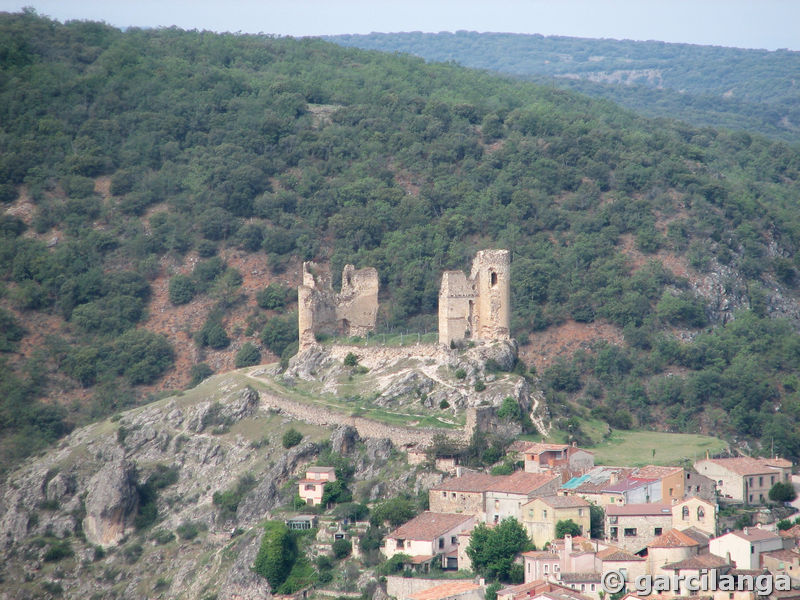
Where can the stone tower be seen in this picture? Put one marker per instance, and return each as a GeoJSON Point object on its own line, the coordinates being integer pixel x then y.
{"type": "Point", "coordinates": [479, 305]}
{"type": "Point", "coordinates": [353, 311]}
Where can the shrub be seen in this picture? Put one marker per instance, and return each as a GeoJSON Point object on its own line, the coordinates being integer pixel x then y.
{"type": "Point", "coordinates": [228, 501]}
{"type": "Point", "coordinates": [181, 290]}
{"type": "Point", "coordinates": [247, 356]}
{"type": "Point", "coordinates": [277, 554]}
{"type": "Point", "coordinates": [272, 297]}
{"type": "Point", "coordinates": [291, 438]}
{"type": "Point", "coordinates": [162, 536]}
{"type": "Point", "coordinates": [460, 374]}
{"type": "Point", "coordinates": [58, 551]}
{"type": "Point", "coordinates": [279, 333]}
{"type": "Point", "coordinates": [351, 360]}
{"type": "Point", "coordinates": [782, 492]}
{"type": "Point", "coordinates": [199, 372]}
{"type": "Point", "coordinates": [341, 548]}
{"type": "Point", "coordinates": [567, 527]}
{"type": "Point", "coordinates": [444, 404]}
{"type": "Point", "coordinates": [188, 530]}
{"type": "Point", "coordinates": [480, 386]}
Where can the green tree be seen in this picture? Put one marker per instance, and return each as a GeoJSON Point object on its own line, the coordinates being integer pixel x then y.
{"type": "Point", "coordinates": [272, 297]}
{"type": "Point", "coordinates": [247, 356]}
{"type": "Point", "coordinates": [341, 548]}
{"type": "Point", "coordinates": [395, 511]}
{"type": "Point", "coordinates": [291, 438]}
{"type": "Point", "coordinates": [568, 527]}
{"type": "Point", "coordinates": [277, 554]}
{"type": "Point", "coordinates": [782, 492]}
{"type": "Point", "coordinates": [492, 551]}
{"type": "Point", "coordinates": [181, 290]}
{"type": "Point", "coordinates": [597, 518]}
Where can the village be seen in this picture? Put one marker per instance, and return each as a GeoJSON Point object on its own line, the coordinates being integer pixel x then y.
{"type": "Point", "coordinates": [651, 520]}
{"type": "Point", "coordinates": [584, 520]}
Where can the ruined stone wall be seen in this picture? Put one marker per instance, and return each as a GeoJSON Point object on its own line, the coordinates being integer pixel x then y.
{"type": "Point", "coordinates": [321, 310]}
{"type": "Point", "coordinates": [479, 305]}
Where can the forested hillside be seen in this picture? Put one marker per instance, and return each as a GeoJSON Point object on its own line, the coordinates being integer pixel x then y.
{"type": "Point", "coordinates": [159, 189]}
{"type": "Point", "coordinates": [754, 90]}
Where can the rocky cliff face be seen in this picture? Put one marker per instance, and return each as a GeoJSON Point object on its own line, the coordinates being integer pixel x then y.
{"type": "Point", "coordinates": [125, 508]}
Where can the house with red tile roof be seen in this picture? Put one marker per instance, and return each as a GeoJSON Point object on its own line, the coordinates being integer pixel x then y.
{"type": "Point", "coordinates": [540, 516]}
{"type": "Point", "coordinates": [312, 487]}
{"type": "Point", "coordinates": [744, 478]}
{"type": "Point", "coordinates": [745, 546]}
{"type": "Point", "coordinates": [670, 547]}
{"type": "Point", "coordinates": [451, 590]}
{"type": "Point", "coordinates": [634, 526]}
{"type": "Point", "coordinates": [505, 497]}
{"type": "Point", "coordinates": [428, 535]}
{"type": "Point", "coordinates": [561, 458]}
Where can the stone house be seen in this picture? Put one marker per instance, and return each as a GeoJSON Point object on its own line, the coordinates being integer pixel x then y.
{"type": "Point", "coordinates": [312, 487]}
{"type": "Point", "coordinates": [700, 486]}
{"type": "Point", "coordinates": [506, 495]}
{"type": "Point", "coordinates": [427, 535]}
{"type": "Point", "coordinates": [782, 561]}
{"type": "Point", "coordinates": [694, 566]}
{"type": "Point", "coordinates": [616, 559]}
{"type": "Point", "coordinates": [541, 515]}
{"type": "Point", "coordinates": [465, 494]}
{"type": "Point", "coordinates": [695, 512]}
{"type": "Point", "coordinates": [743, 478]}
{"type": "Point", "coordinates": [563, 458]}
{"type": "Point", "coordinates": [634, 526]}
{"type": "Point", "coordinates": [745, 546]}
{"type": "Point", "coordinates": [670, 547]}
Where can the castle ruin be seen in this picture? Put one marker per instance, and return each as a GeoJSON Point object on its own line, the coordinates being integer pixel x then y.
{"type": "Point", "coordinates": [353, 311]}
{"type": "Point", "coordinates": [478, 306]}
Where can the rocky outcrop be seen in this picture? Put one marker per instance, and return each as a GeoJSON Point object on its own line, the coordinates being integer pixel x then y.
{"type": "Point", "coordinates": [111, 502]}
{"type": "Point", "coordinates": [241, 582]}
{"type": "Point", "coordinates": [267, 494]}
{"type": "Point", "coordinates": [344, 439]}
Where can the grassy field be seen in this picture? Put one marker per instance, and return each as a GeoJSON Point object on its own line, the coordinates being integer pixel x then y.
{"type": "Point", "coordinates": [636, 448]}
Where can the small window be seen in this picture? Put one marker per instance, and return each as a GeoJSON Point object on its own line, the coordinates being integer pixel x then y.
{"type": "Point", "coordinates": [685, 513]}
{"type": "Point", "coordinates": [556, 568]}
{"type": "Point", "coordinates": [441, 543]}
{"type": "Point", "coordinates": [760, 482]}
{"type": "Point", "coordinates": [657, 531]}
{"type": "Point", "coordinates": [496, 504]}
{"type": "Point", "coordinates": [453, 539]}
{"type": "Point", "coordinates": [701, 513]}
{"type": "Point", "coordinates": [547, 568]}
{"type": "Point", "coordinates": [494, 279]}
{"type": "Point", "coordinates": [530, 513]}
{"type": "Point", "coordinates": [444, 494]}
{"type": "Point", "coordinates": [544, 514]}
{"type": "Point", "coordinates": [580, 512]}
{"type": "Point", "coordinates": [630, 532]}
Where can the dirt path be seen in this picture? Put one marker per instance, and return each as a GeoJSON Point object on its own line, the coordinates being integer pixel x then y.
{"type": "Point", "coordinates": [367, 428]}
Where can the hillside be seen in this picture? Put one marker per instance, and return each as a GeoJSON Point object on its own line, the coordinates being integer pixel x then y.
{"type": "Point", "coordinates": [160, 189]}
{"type": "Point", "coordinates": [752, 90]}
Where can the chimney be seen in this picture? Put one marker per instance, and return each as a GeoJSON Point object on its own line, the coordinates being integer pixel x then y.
{"type": "Point", "coordinates": [458, 471]}
{"type": "Point", "coordinates": [574, 444]}
{"type": "Point", "coordinates": [567, 544]}
{"type": "Point", "coordinates": [745, 530]}
{"type": "Point", "coordinates": [481, 582]}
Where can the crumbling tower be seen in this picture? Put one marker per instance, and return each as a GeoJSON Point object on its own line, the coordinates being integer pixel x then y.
{"type": "Point", "coordinates": [478, 306]}
{"type": "Point", "coordinates": [321, 310]}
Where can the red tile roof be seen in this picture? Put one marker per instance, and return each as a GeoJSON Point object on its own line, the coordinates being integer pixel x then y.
{"type": "Point", "coordinates": [445, 590]}
{"type": "Point", "coordinates": [701, 561]}
{"type": "Point", "coordinates": [522, 482]}
{"type": "Point", "coordinates": [564, 501]}
{"type": "Point", "coordinates": [612, 553]}
{"type": "Point", "coordinates": [429, 526]}
{"type": "Point", "coordinates": [656, 471]}
{"type": "Point", "coordinates": [673, 539]}
{"type": "Point", "coordinates": [755, 534]}
{"type": "Point", "coordinates": [742, 465]}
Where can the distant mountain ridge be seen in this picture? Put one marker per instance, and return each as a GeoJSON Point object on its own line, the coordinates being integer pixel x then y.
{"type": "Point", "coordinates": [754, 90]}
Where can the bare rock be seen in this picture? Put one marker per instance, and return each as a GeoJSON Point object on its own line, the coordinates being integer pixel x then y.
{"type": "Point", "coordinates": [111, 502]}
{"type": "Point", "coordinates": [267, 494]}
{"type": "Point", "coordinates": [344, 439]}
{"type": "Point", "coordinates": [242, 583]}
{"type": "Point", "coordinates": [59, 487]}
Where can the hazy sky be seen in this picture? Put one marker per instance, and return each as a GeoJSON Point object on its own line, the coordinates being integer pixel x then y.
{"type": "Point", "coordinates": [767, 24]}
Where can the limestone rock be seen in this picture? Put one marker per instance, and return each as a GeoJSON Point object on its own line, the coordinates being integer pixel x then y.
{"type": "Point", "coordinates": [111, 502]}
{"type": "Point", "coordinates": [266, 495]}
{"type": "Point", "coordinates": [242, 583]}
{"type": "Point", "coordinates": [59, 487]}
{"type": "Point", "coordinates": [344, 439]}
